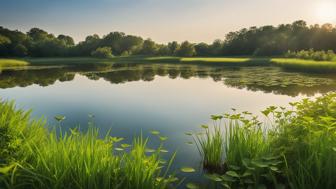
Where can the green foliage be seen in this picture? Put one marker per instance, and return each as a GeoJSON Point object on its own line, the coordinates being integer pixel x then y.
{"type": "Point", "coordinates": [186, 49]}
{"type": "Point", "coordinates": [149, 48]}
{"type": "Point", "coordinates": [102, 52]}
{"type": "Point", "coordinates": [253, 41]}
{"type": "Point", "coordinates": [306, 138]}
{"type": "Point", "coordinates": [312, 55]}
{"type": "Point", "coordinates": [33, 157]}
{"type": "Point", "coordinates": [295, 149]}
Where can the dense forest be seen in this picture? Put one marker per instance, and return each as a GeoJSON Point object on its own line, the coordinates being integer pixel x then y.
{"type": "Point", "coordinates": [256, 41]}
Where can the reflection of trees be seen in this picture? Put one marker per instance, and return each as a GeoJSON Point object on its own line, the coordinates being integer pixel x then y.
{"type": "Point", "coordinates": [42, 77]}
{"type": "Point", "coordinates": [267, 79]}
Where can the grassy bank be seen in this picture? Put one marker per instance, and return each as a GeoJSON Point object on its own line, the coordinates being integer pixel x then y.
{"type": "Point", "coordinates": [8, 63]}
{"type": "Point", "coordinates": [306, 65]}
{"type": "Point", "coordinates": [294, 148]}
{"type": "Point", "coordinates": [287, 63]}
{"type": "Point", "coordinates": [33, 157]}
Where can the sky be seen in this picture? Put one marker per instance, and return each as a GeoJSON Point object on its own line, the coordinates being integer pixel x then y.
{"type": "Point", "coordinates": [160, 20]}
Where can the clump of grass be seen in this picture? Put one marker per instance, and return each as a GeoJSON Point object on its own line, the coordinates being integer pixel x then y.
{"type": "Point", "coordinates": [38, 158]}
{"type": "Point", "coordinates": [210, 145]}
{"type": "Point", "coordinates": [239, 152]}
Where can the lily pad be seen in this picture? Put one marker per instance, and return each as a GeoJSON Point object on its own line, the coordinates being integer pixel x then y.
{"type": "Point", "coordinates": [188, 169]}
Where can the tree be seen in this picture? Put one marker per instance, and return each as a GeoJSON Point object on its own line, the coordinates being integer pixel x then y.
{"type": "Point", "coordinates": [187, 49]}
{"type": "Point", "coordinates": [38, 34]}
{"type": "Point", "coordinates": [4, 45]}
{"type": "Point", "coordinates": [173, 47]}
{"type": "Point", "coordinates": [102, 52]}
{"type": "Point", "coordinates": [149, 47]}
{"type": "Point", "coordinates": [20, 50]}
{"type": "Point", "coordinates": [66, 40]}
{"type": "Point", "coordinates": [202, 49]}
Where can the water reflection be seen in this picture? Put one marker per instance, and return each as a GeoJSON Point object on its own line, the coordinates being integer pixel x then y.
{"type": "Point", "coordinates": [266, 79]}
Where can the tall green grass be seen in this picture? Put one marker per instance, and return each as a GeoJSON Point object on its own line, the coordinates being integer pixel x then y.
{"type": "Point", "coordinates": [33, 157]}
{"type": "Point", "coordinates": [294, 148]}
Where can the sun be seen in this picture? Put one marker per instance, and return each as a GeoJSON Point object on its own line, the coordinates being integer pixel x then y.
{"type": "Point", "coordinates": [326, 11]}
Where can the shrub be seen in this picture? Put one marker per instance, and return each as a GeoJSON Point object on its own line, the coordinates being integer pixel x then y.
{"type": "Point", "coordinates": [102, 52]}
{"type": "Point", "coordinates": [312, 55]}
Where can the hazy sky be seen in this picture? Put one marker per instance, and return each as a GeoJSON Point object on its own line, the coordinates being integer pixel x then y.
{"type": "Point", "coordinates": [161, 20]}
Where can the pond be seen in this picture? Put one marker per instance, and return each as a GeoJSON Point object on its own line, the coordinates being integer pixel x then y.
{"type": "Point", "coordinates": [131, 99]}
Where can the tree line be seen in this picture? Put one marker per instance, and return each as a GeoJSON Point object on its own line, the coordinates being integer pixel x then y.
{"type": "Point", "coordinates": [253, 41]}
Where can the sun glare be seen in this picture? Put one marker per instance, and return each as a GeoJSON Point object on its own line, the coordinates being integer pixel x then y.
{"type": "Point", "coordinates": [326, 11]}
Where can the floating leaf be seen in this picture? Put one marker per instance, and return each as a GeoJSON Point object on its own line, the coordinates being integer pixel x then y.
{"type": "Point", "coordinates": [204, 126]}
{"type": "Point", "coordinates": [125, 145]}
{"type": "Point", "coordinates": [119, 149]}
{"type": "Point", "coordinates": [189, 143]}
{"type": "Point", "coordinates": [188, 134]}
{"type": "Point", "coordinates": [187, 169]}
{"type": "Point", "coordinates": [163, 138]}
{"type": "Point", "coordinates": [149, 150]}
{"type": "Point", "coordinates": [164, 151]}
{"type": "Point", "coordinates": [155, 132]}
{"type": "Point", "coordinates": [59, 118]}
{"type": "Point", "coordinates": [192, 186]}
{"type": "Point", "coordinates": [116, 139]}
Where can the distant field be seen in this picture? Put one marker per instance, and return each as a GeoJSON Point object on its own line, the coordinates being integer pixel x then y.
{"type": "Point", "coordinates": [287, 63]}
{"type": "Point", "coordinates": [69, 60]}
{"type": "Point", "coordinates": [230, 61]}
{"type": "Point", "coordinates": [6, 63]}
{"type": "Point", "coordinates": [305, 65]}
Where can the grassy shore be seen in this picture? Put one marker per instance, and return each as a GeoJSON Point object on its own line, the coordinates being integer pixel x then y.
{"type": "Point", "coordinates": [33, 157]}
{"type": "Point", "coordinates": [306, 65]}
{"type": "Point", "coordinates": [295, 148]}
{"type": "Point", "coordinates": [287, 63]}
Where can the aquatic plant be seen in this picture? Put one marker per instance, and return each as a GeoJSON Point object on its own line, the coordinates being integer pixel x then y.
{"type": "Point", "coordinates": [294, 149]}
{"type": "Point", "coordinates": [33, 157]}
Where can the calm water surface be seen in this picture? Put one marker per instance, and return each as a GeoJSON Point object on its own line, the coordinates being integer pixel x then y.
{"type": "Point", "coordinates": [173, 99]}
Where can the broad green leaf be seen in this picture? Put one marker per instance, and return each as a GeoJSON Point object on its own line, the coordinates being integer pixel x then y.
{"type": "Point", "coordinates": [188, 169]}
{"type": "Point", "coordinates": [125, 145]}
{"type": "Point", "coordinates": [59, 118]}
{"type": "Point", "coordinates": [153, 132]}
{"type": "Point", "coordinates": [232, 174]}
{"type": "Point", "coordinates": [149, 150]}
